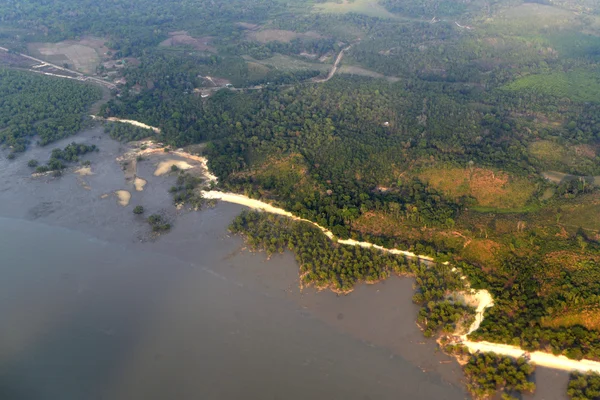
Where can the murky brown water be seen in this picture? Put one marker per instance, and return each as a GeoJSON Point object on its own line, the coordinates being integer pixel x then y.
{"type": "Point", "coordinates": [87, 311]}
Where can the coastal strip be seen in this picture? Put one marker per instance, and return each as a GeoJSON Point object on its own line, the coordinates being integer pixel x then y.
{"type": "Point", "coordinates": [260, 205]}
{"type": "Point", "coordinates": [481, 299]}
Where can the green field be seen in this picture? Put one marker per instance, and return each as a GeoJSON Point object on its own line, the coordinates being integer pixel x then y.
{"type": "Point", "coordinates": [366, 7]}
{"type": "Point", "coordinates": [578, 86]}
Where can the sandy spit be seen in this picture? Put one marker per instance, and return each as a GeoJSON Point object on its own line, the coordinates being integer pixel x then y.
{"type": "Point", "coordinates": [165, 166]}
{"type": "Point", "coordinates": [123, 197]}
{"type": "Point", "coordinates": [84, 171]}
{"type": "Point", "coordinates": [127, 121]}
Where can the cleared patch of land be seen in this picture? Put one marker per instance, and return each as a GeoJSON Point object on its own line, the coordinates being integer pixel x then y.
{"type": "Point", "coordinates": [355, 70]}
{"type": "Point", "coordinates": [483, 252]}
{"type": "Point", "coordinates": [286, 63]}
{"type": "Point", "coordinates": [579, 86]}
{"type": "Point", "coordinates": [182, 38]}
{"type": "Point", "coordinates": [366, 7]}
{"type": "Point", "coordinates": [279, 35]}
{"type": "Point", "coordinates": [495, 189]}
{"type": "Point", "coordinates": [84, 171]}
{"type": "Point", "coordinates": [556, 157]}
{"type": "Point", "coordinates": [529, 17]}
{"type": "Point", "coordinates": [588, 318]}
{"type": "Point", "coordinates": [83, 55]}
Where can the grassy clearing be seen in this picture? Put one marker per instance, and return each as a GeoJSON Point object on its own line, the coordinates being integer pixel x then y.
{"type": "Point", "coordinates": [286, 63]}
{"type": "Point", "coordinates": [366, 7]}
{"type": "Point", "coordinates": [588, 318]}
{"type": "Point", "coordinates": [289, 174]}
{"type": "Point", "coordinates": [493, 190]}
{"type": "Point", "coordinates": [586, 216]}
{"type": "Point", "coordinates": [482, 252]}
{"type": "Point", "coordinates": [569, 216]}
{"type": "Point", "coordinates": [356, 70]}
{"type": "Point", "coordinates": [279, 35]}
{"type": "Point", "coordinates": [555, 157]}
{"type": "Point", "coordinates": [579, 86]}
{"type": "Point", "coordinates": [547, 151]}
{"type": "Point", "coordinates": [257, 71]}
{"type": "Point", "coordinates": [529, 18]}
{"type": "Point", "coordinates": [83, 55]}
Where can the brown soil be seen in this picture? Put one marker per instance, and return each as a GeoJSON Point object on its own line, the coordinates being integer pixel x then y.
{"type": "Point", "coordinates": [490, 188]}
{"type": "Point", "coordinates": [482, 252]}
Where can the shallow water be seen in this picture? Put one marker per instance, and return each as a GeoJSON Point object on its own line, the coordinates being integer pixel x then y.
{"type": "Point", "coordinates": [91, 309]}
{"type": "Point", "coordinates": [84, 319]}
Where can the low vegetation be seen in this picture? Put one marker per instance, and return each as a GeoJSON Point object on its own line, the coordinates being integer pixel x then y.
{"type": "Point", "coordinates": [138, 210]}
{"type": "Point", "coordinates": [187, 190]}
{"type": "Point", "coordinates": [69, 154]}
{"type": "Point", "coordinates": [158, 223]}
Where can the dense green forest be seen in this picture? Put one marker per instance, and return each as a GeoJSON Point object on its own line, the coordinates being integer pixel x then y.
{"type": "Point", "coordinates": [126, 132]}
{"type": "Point", "coordinates": [488, 373]}
{"type": "Point", "coordinates": [519, 311]}
{"type": "Point", "coordinates": [48, 108]}
{"type": "Point", "coordinates": [584, 386]}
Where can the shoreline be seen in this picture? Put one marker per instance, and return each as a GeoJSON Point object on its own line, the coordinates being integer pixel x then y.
{"type": "Point", "coordinates": [482, 299]}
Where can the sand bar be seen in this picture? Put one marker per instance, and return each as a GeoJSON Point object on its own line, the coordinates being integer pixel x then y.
{"type": "Point", "coordinates": [139, 183]}
{"type": "Point", "coordinates": [124, 196]}
{"type": "Point", "coordinates": [165, 166]}
{"type": "Point", "coordinates": [84, 171]}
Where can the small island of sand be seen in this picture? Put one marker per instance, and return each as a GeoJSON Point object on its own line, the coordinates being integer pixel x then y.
{"type": "Point", "coordinates": [84, 171]}
{"type": "Point", "coordinates": [124, 196]}
{"type": "Point", "coordinates": [139, 183]}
